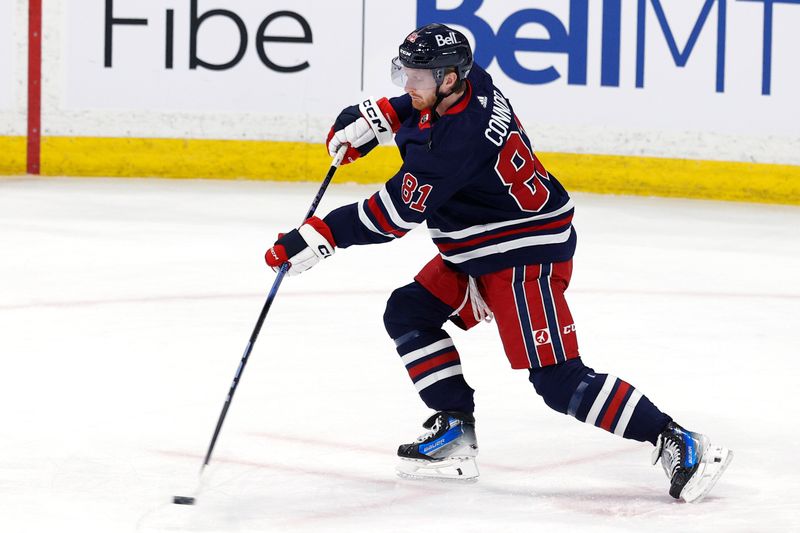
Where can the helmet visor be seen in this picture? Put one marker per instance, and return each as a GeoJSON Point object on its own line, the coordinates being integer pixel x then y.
{"type": "Point", "coordinates": [412, 78]}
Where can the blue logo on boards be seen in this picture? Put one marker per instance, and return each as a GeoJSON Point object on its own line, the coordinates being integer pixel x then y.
{"type": "Point", "coordinates": [572, 40]}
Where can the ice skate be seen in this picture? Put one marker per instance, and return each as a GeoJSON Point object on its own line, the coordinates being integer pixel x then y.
{"type": "Point", "coordinates": [691, 463]}
{"type": "Point", "coordinates": [446, 451]}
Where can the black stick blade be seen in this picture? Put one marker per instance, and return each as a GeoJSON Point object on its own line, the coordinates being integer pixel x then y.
{"type": "Point", "coordinates": [183, 500]}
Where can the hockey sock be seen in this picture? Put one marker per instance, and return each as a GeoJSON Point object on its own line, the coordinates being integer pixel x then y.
{"type": "Point", "coordinates": [433, 365]}
{"type": "Point", "coordinates": [601, 400]}
{"type": "Point", "coordinates": [414, 319]}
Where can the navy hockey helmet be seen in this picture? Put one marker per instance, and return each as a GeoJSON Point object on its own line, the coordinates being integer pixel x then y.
{"type": "Point", "coordinates": [435, 47]}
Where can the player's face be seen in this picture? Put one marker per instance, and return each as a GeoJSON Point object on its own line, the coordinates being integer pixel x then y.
{"type": "Point", "coordinates": [425, 98]}
{"type": "Point", "coordinates": [418, 83]}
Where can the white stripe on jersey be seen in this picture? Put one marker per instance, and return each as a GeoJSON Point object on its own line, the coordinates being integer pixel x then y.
{"type": "Point", "coordinates": [362, 216]}
{"type": "Point", "coordinates": [475, 230]}
{"type": "Point", "coordinates": [393, 214]}
{"type": "Point", "coordinates": [602, 396]}
{"type": "Point", "coordinates": [622, 424]}
{"type": "Point", "coordinates": [536, 240]}
{"type": "Point", "coordinates": [410, 357]}
{"type": "Point", "coordinates": [427, 381]}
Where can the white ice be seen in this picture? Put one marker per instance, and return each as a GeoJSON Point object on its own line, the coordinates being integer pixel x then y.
{"type": "Point", "coordinates": [125, 306]}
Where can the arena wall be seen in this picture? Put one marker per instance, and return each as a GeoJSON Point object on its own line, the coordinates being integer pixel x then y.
{"type": "Point", "coordinates": [691, 98]}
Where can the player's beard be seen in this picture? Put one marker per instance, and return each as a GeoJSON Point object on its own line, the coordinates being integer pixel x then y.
{"type": "Point", "coordinates": [423, 101]}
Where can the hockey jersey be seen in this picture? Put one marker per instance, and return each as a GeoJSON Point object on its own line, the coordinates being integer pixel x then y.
{"type": "Point", "coordinates": [472, 176]}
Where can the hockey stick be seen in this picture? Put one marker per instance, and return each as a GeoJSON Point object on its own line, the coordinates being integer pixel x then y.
{"type": "Point", "coordinates": [190, 500]}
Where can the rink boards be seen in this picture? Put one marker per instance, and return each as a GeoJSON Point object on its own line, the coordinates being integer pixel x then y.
{"type": "Point", "coordinates": [287, 161]}
{"type": "Point", "coordinates": [625, 96]}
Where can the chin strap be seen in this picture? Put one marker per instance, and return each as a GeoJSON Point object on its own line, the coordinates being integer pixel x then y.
{"type": "Point", "coordinates": [439, 98]}
{"type": "Point", "coordinates": [434, 113]}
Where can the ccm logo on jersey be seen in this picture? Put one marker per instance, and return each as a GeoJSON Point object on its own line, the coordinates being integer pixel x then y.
{"type": "Point", "coordinates": [450, 40]}
{"type": "Point", "coordinates": [569, 329]}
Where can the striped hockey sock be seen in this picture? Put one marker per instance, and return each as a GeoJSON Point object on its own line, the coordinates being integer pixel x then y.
{"type": "Point", "coordinates": [612, 404]}
{"type": "Point", "coordinates": [434, 366]}
{"type": "Point", "coordinates": [602, 400]}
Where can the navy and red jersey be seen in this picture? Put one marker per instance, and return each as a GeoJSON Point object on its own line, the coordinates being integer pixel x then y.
{"type": "Point", "coordinates": [473, 178]}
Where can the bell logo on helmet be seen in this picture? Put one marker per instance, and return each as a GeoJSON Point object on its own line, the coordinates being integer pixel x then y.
{"type": "Point", "coordinates": [435, 47]}
{"type": "Point", "coordinates": [450, 40]}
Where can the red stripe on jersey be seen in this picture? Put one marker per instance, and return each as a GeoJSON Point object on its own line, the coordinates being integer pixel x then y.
{"type": "Point", "coordinates": [372, 203]}
{"type": "Point", "coordinates": [446, 247]}
{"type": "Point", "coordinates": [613, 407]}
{"type": "Point", "coordinates": [439, 360]}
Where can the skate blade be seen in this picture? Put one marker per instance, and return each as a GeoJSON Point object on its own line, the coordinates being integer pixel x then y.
{"type": "Point", "coordinates": [456, 469]}
{"type": "Point", "coordinates": [714, 462]}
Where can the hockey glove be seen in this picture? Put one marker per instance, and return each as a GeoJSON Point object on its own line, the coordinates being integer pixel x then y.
{"type": "Point", "coordinates": [302, 247]}
{"type": "Point", "coordinates": [362, 127]}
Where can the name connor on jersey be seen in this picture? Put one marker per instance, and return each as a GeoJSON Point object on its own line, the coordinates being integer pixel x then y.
{"type": "Point", "coordinates": [500, 121]}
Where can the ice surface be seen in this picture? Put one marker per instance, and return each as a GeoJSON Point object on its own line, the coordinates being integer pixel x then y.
{"type": "Point", "coordinates": [125, 306]}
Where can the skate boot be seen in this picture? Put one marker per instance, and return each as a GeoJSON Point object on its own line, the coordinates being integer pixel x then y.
{"type": "Point", "coordinates": [691, 463]}
{"type": "Point", "coordinates": [447, 451]}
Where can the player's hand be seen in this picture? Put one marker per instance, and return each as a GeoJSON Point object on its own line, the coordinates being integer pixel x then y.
{"type": "Point", "coordinates": [362, 127]}
{"type": "Point", "coordinates": [302, 248]}
{"type": "Point", "coordinates": [353, 130]}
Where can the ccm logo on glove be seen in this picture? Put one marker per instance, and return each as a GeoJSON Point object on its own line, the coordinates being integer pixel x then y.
{"type": "Point", "coordinates": [379, 122]}
{"type": "Point", "coordinates": [302, 248]}
{"type": "Point", "coordinates": [362, 128]}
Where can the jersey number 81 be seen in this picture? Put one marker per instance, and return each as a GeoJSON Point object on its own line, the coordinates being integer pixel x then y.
{"type": "Point", "coordinates": [410, 187]}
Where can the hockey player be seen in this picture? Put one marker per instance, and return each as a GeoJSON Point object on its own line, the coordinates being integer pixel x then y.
{"type": "Point", "coordinates": [503, 227]}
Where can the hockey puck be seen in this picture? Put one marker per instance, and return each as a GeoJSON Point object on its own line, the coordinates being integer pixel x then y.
{"type": "Point", "coordinates": [183, 500]}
